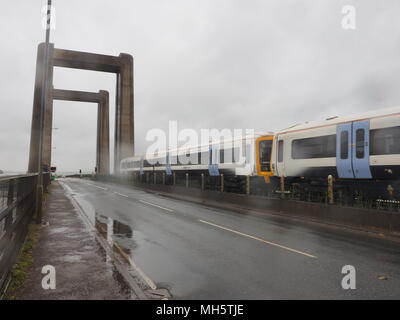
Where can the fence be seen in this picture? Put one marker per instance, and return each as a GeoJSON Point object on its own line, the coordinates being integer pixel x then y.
{"type": "Point", "coordinates": [17, 205]}
{"type": "Point", "coordinates": [327, 191]}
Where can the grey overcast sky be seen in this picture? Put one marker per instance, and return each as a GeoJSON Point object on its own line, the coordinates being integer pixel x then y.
{"type": "Point", "coordinates": [262, 64]}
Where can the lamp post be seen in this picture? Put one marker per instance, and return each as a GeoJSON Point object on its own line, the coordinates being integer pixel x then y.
{"type": "Point", "coordinates": [39, 186]}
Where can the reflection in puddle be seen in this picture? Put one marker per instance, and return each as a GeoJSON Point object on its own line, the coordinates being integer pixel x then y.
{"type": "Point", "coordinates": [117, 234]}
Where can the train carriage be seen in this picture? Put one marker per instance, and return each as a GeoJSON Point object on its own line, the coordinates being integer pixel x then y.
{"type": "Point", "coordinates": [247, 156]}
{"type": "Point", "coordinates": [365, 146]}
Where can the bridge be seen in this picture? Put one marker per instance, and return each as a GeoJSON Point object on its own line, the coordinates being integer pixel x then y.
{"type": "Point", "coordinates": [109, 236]}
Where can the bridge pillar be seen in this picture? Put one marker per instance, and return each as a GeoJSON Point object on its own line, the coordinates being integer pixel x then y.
{"type": "Point", "coordinates": [103, 134]}
{"type": "Point", "coordinates": [48, 116]}
{"type": "Point", "coordinates": [124, 120]}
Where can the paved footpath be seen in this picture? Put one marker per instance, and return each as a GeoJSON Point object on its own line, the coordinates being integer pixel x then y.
{"type": "Point", "coordinates": [82, 269]}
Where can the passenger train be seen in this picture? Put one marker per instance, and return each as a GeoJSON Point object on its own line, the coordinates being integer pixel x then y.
{"type": "Point", "coordinates": [244, 156]}
{"type": "Point", "coordinates": [362, 149]}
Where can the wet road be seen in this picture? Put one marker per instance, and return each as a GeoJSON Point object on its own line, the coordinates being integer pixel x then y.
{"type": "Point", "coordinates": [199, 252]}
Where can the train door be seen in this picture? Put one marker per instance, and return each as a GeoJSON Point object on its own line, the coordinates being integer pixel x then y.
{"type": "Point", "coordinates": [360, 146]}
{"type": "Point", "coordinates": [344, 150]}
{"type": "Point", "coordinates": [168, 169]}
{"type": "Point", "coordinates": [213, 160]}
{"type": "Point", "coordinates": [280, 163]}
{"type": "Point", "coordinates": [352, 150]}
{"type": "Point", "coordinates": [263, 147]}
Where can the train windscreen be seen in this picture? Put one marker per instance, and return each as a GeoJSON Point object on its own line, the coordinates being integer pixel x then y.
{"type": "Point", "coordinates": [265, 154]}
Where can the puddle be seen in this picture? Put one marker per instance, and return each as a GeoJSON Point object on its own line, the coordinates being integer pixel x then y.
{"type": "Point", "coordinates": [119, 235]}
{"type": "Point", "coordinates": [71, 258]}
{"type": "Point", "coordinates": [59, 230]}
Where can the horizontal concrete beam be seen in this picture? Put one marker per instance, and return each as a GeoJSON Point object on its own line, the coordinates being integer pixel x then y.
{"type": "Point", "coordinates": [86, 61]}
{"type": "Point", "coordinates": [79, 96]}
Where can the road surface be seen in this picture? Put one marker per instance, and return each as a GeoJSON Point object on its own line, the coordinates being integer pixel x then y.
{"type": "Point", "coordinates": [199, 252]}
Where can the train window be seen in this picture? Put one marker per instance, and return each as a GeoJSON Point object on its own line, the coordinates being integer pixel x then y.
{"type": "Point", "coordinates": [315, 147]}
{"type": "Point", "coordinates": [360, 143]}
{"type": "Point", "coordinates": [265, 148]}
{"type": "Point", "coordinates": [173, 159]}
{"type": "Point", "coordinates": [226, 155]}
{"type": "Point", "coordinates": [248, 153]}
{"type": "Point", "coordinates": [344, 145]}
{"type": "Point", "coordinates": [184, 158]}
{"type": "Point", "coordinates": [193, 158]}
{"type": "Point", "coordinates": [147, 164]}
{"type": "Point", "coordinates": [236, 155]}
{"type": "Point", "coordinates": [385, 141]}
{"type": "Point", "coordinates": [280, 151]}
{"type": "Point", "coordinates": [158, 162]}
{"type": "Point", "coordinates": [203, 157]}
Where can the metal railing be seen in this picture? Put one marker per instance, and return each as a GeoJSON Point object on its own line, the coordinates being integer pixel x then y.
{"type": "Point", "coordinates": [17, 206]}
{"type": "Point", "coordinates": [328, 192]}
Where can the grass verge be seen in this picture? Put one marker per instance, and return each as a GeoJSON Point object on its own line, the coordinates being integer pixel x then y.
{"type": "Point", "coordinates": [24, 262]}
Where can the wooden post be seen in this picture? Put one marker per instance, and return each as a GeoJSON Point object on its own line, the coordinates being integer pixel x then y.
{"type": "Point", "coordinates": [163, 178]}
{"type": "Point", "coordinates": [330, 189]}
{"type": "Point", "coordinates": [247, 184]}
{"type": "Point", "coordinates": [222, 182]}
{"type": "Point", "coordinates": [155, 177]}
{"type": "Point", "coordinates": [173, 179]}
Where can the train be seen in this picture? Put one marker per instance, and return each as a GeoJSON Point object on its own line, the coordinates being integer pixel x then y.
{"type": "Point", "coordinates": [360, 152]}
{"type": "Point", "coordinates": [235, 158]}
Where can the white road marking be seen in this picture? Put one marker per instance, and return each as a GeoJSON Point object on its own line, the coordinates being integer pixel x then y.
{"type": "Point", "coordinates": [259, 239]}
{"type": "Point", "coordinates": [66, 186]}
{"type": "Point", "coordinates": [93, 185]}
{"type": "Point", "coordinates": [120, 194]}
{"type": "Point", "coordinates": [156, 205]}
{"type": "Point", "coordinates": [145, 277]}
